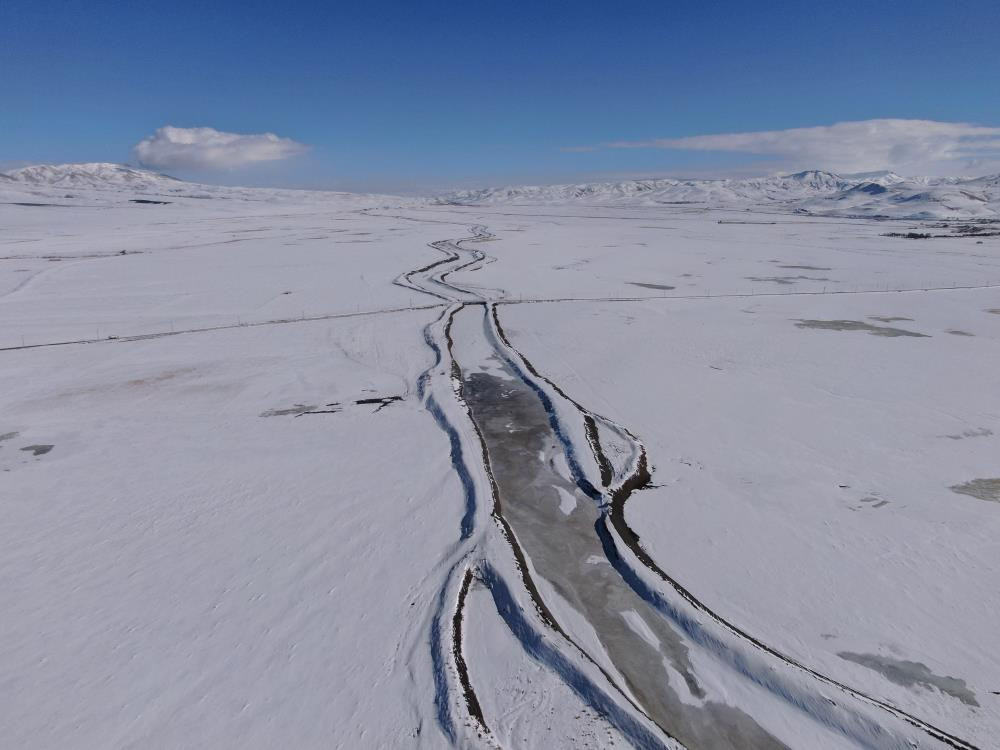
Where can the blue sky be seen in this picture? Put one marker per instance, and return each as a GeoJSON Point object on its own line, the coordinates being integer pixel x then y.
{"type": "Point", "coordinates": [400, 95]}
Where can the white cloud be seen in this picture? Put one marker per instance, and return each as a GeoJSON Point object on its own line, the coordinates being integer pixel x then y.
{"type": "Point", "coordinates": [902, 145]}
{"type": "Point", "coordinates": [208, 148]}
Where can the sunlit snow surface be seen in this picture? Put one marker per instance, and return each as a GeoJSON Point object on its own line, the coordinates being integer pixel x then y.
{"type": "Point", "coordinates": [208, 541]}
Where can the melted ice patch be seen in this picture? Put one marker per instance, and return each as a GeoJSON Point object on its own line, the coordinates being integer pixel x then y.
{"type": "Point", "coordinates": [567, 500]}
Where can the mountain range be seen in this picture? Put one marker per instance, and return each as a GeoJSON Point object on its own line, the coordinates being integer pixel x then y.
{"type": "Point", "coordinates": [871, 195]}
{"type": "Point", "coordinates": [814, 192]}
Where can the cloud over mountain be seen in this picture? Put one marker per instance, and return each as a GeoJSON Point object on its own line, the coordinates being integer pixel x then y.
{"type": "Point", "coordinates": [904, 145]}
{"type": "Point", "coordinates": [207, 148]}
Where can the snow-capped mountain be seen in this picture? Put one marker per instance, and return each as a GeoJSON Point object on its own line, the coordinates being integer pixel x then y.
{"type": "Point", "coordinates": [882, 177]}
{"type": "Point", "coordinates": [869, 194]}
{"type": "Point", "coordinates": [108, 183]}
{"type": "Point", "coordinates": [93, 175]}
{"type": "Point", "coordinates": [801, 184]}
{"type": "Point", "coordinates": [913, 199]}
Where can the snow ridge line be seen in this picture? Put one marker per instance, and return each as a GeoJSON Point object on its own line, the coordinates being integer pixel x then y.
{"type": "Point", "coordinates": [471, 702]}
{"type": "Point", "coordinates": [620, 530]}
{"type": "Point", "coordinates": [454, 438]}
{"type": "Point", "coordinates": [463, 549]}
{"type": "Point", "coordinates": [467, 543]}
{"type": "Point", "coordinates": [442, 699]}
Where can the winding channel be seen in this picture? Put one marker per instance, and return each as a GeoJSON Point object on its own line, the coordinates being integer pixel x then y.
{"type": "Point", "coordinates": [545, 532]}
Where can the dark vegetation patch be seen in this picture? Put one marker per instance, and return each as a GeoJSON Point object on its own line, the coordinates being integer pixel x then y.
{"type": "Point", "coordinates": [57, 258]}
{"type": "Point", "coordinates": [785, 279]}
{"type": "Point", "coordinates": [38, 205]}
{"type": "Point", "coordinates": [877, 502]}
{"type": "Point", "coordinates": [296, 410]}
{"type": "Point", "coordinates": [910, 673]}
{"type": "Point", "coordinates": [149, 202]}
{"type": "Point", "coordinates": [38, 450]}
{"type": "Point", "coordinates": [981, 432]}
{"type": "Point", "coordinates": [857, 325]}
{"type": "Point", "coordinates": [382, 401]}
{"type": "Point", "coordinates": [981, 489]}
{"type": "Point", "coordinates": [646, 285]}
{"type": "Point", "coordinates": [804, 268]}
{"type": "Point", "coordinates": [972, 228]}
{"type": "Point", "coordinates": [299, 410]}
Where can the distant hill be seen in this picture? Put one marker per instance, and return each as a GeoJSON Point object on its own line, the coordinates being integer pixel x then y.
{"type": "Point", "coordinates": [816, 192]}
{"type": "Point", "coordinates": [870, 194]}
{"type": "Point", "coordinates": [106, 183]}
{"type": "Point", "coordinates": [93, 175]}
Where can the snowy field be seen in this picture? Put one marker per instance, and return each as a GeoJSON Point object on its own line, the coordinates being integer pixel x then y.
{"type": "Point", "coordinates": [313, 469]}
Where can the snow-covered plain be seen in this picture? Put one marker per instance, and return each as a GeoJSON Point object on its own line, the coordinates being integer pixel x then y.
{"type": "Point", "coordinates": [209, 542]}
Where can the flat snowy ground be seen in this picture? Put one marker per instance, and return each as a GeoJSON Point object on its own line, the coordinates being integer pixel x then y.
{"type": "Point", "coordinates": [208, 542]}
